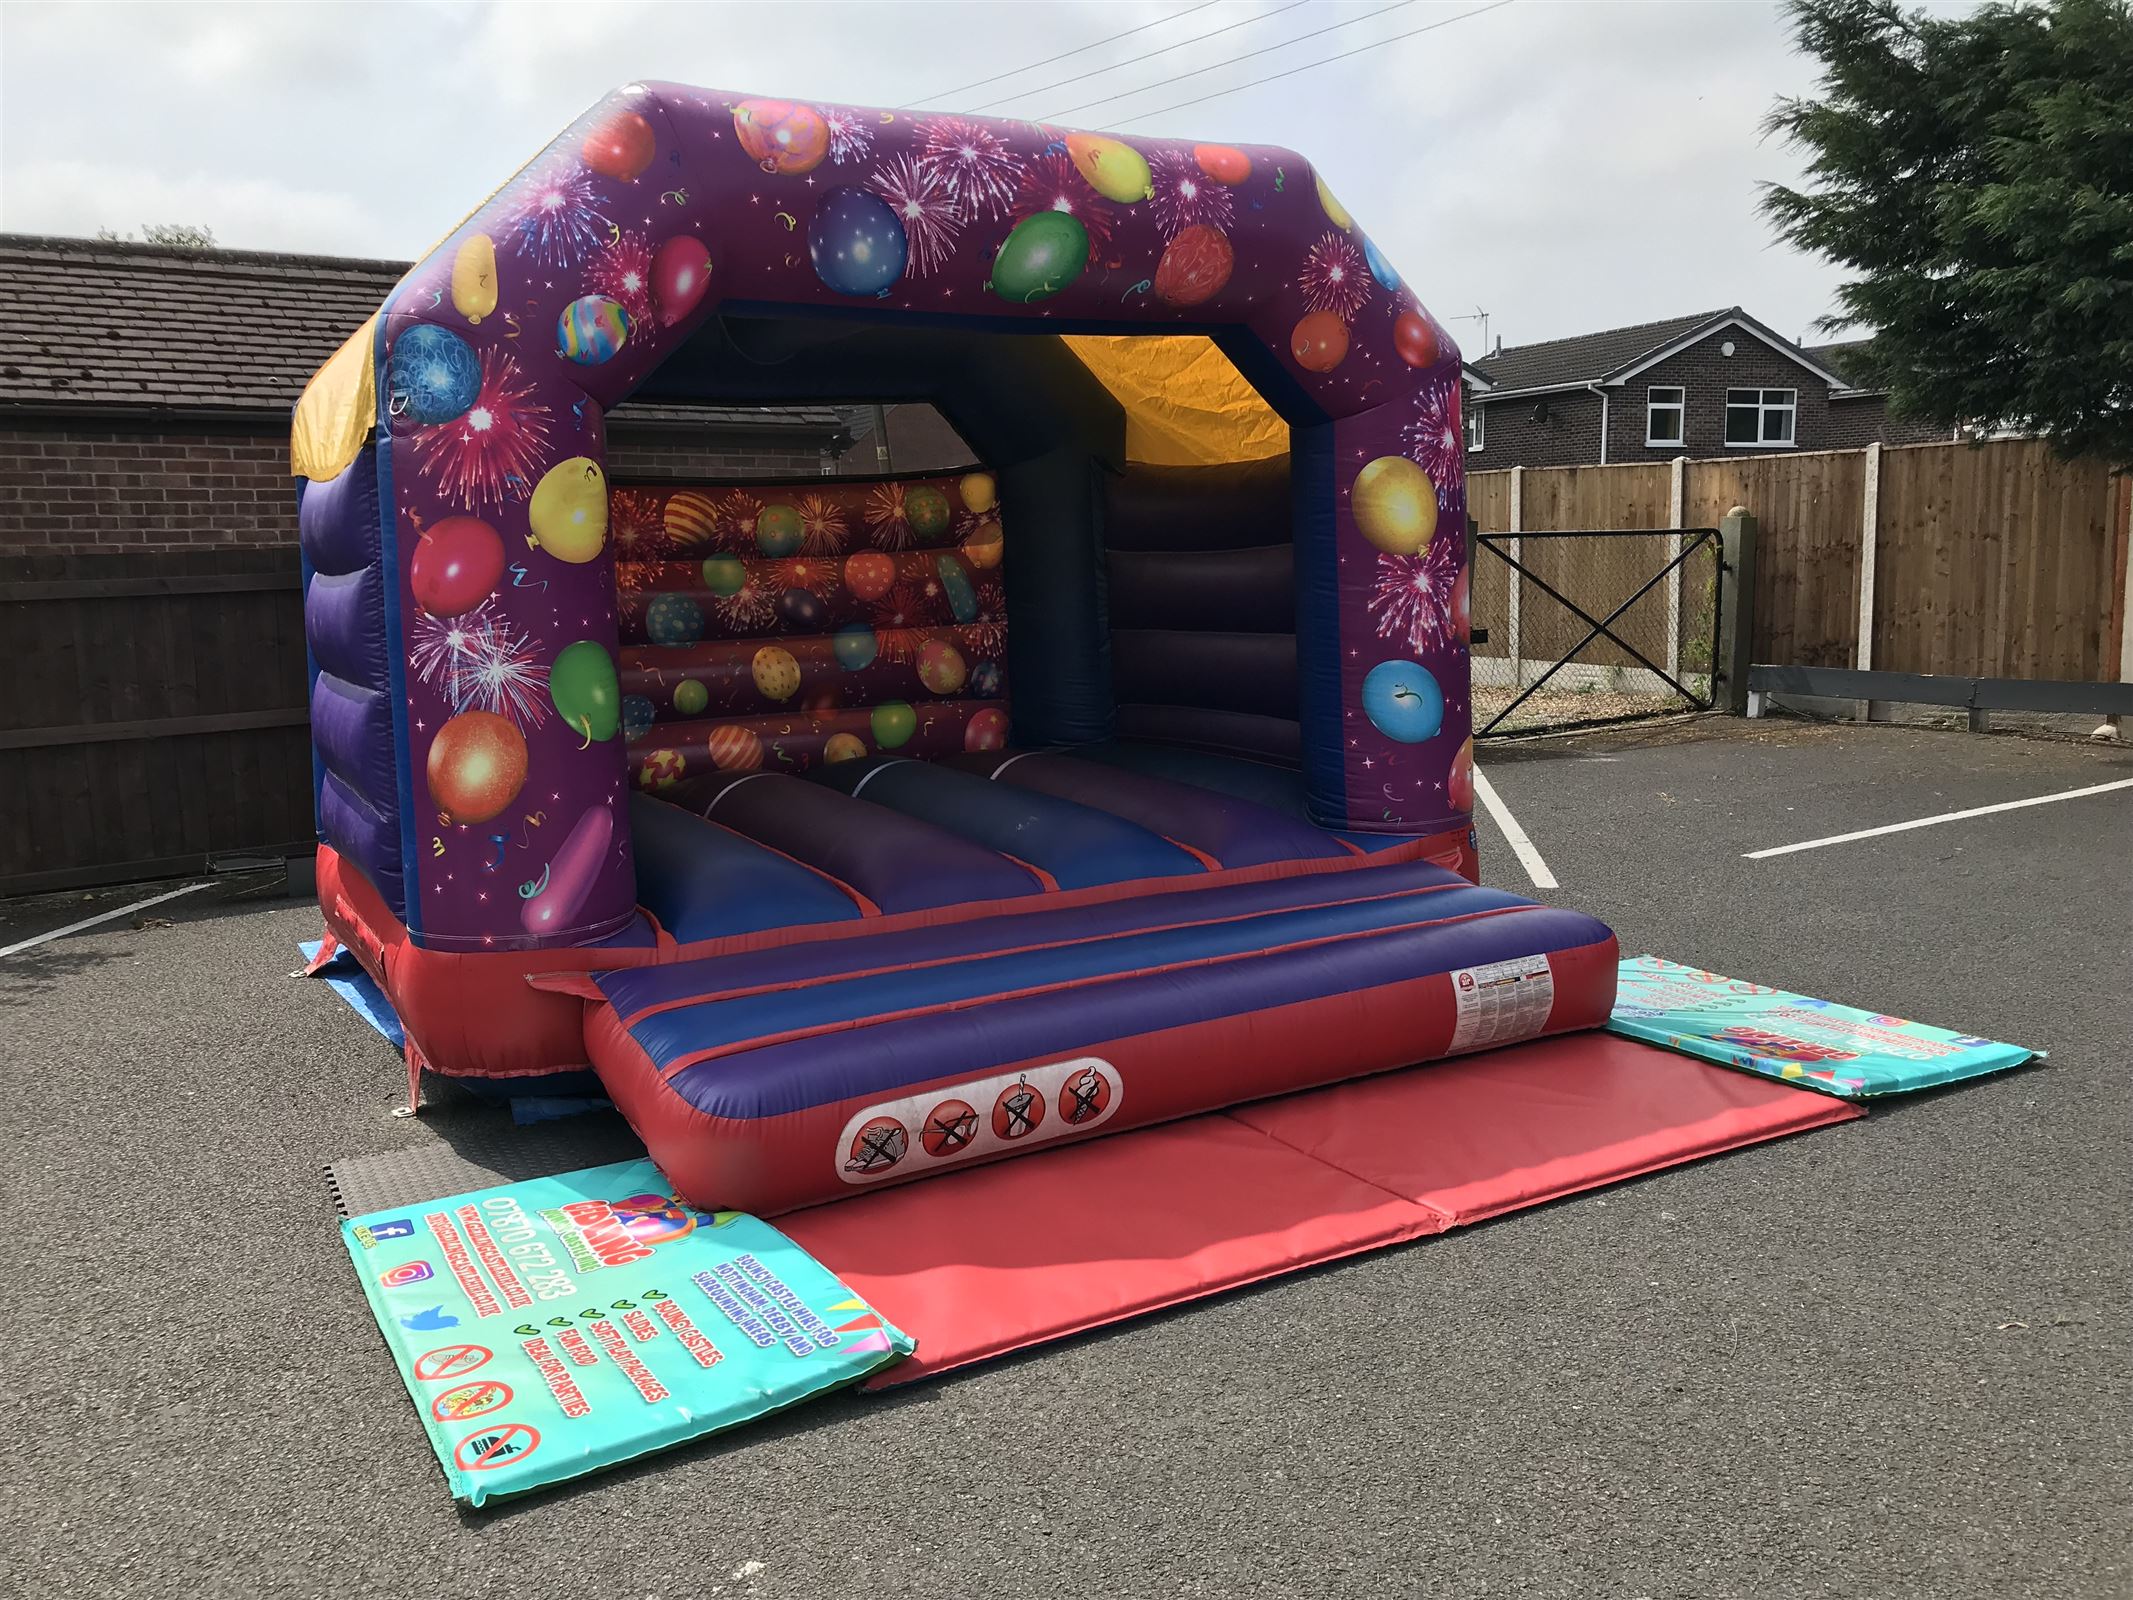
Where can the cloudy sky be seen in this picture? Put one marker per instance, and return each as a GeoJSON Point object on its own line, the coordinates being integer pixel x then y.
{"type": "Point", "coordinates": [1565, 166]}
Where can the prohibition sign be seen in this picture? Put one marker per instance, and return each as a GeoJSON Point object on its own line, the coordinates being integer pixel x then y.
{"type": "Point", "coordinates": [450, 1361]}
{"type": "Point", "coordinates": [476, 1399]}
{"type": "Point", "coordinates": [496, 1447]}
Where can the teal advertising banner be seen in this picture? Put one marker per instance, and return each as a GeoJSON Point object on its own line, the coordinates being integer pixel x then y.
{"type": "Point", "coordinates": [1816, 1044]}
{"type": "Point", "coordinates": [557, 1326]}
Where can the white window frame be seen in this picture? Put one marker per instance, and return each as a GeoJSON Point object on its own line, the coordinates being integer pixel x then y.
{"type": "Point", "coordinates": [1764, 408]}
{"type": "Point", "coordinates": [1474, 423]}
{"type": "Point", "coordinates": [1679, 405]}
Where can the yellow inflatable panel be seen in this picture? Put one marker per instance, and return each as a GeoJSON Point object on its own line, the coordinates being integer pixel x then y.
{"type": "Point", "coordinates": [338, 409]}
{"type": "Point", "coordinates": [1186, 405]}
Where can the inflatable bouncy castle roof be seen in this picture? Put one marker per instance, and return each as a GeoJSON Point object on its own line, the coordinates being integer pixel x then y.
{"type": "Point", "coordinates": [697, 243]}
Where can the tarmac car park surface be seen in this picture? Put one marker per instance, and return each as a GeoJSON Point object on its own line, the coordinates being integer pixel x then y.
{"type": "Point", "coordinates": [1884, 1359]}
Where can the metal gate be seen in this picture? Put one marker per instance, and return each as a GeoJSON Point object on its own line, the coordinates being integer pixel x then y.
{"type": "Point", "coordinates": [1584, 627]}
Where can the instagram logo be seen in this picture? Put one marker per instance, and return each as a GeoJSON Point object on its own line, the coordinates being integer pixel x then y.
{"type": "Point", "coordinates": [406, 1273]}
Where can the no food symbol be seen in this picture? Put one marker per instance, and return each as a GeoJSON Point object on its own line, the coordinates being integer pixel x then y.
{"type": "Point", "coordinates": [450, 1361]}
{"type": "Point", "coordinates": [496, 1447]}
{"type": "Point", "coordinates": [1085, 1096]}
{"type": "Point", "coordinates": [1017, 1112]}
{"type": "Point", "coordinates": [476, 1399]}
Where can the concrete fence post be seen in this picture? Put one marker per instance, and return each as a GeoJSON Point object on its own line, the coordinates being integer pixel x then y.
{"type": "Point", "coordinates": [1736, 610]}
{"type": "Point", "coordinates": [1869, 561]}
{"type": "Point", "coordinates": [1677, 500]}
{"type": "Point", "coordinates": [1515, 646]}
{"type": "Point", "coordinates": [2115, 727]}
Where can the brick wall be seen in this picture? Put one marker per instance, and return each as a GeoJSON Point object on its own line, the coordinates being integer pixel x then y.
{"type": "Point", "coordinates": [1568, 437]}
{"type": "Point", "coordinates": [1854, 424]}
{"type": "Point", "coordinates": [85, 488]}
{"type": "Point", "coordinates": [75, 489]}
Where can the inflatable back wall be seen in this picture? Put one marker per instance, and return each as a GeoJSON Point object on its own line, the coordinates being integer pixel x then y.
{"type": "Point", "coordinates": [781, 626]}
{"type": "Point", "coordinates": [1200, 579]}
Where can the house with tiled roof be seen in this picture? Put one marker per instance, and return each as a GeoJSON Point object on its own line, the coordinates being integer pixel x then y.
{"type": "Point", "coordinates": [1712, 383]}
{"type": "Point", "coordinates": [145, 395]}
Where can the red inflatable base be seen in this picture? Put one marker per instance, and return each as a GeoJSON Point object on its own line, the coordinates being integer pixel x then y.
{"type": "Point", "coordinates": [997, 1258]}
{"type": "Point", "coordinates": [465, 1013]}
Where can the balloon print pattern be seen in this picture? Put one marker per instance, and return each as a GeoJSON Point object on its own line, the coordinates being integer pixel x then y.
{"type": "Point", "coordinates": [523, 572]}
{"type": "Point", "coordinates": [891, 635]}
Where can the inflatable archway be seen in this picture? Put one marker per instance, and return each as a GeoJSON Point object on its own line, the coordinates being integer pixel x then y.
{"type": "Point", "coordinates": [1212, 547]}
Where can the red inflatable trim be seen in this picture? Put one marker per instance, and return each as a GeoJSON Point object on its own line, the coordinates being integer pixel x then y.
{"type": "Point", "coordinates": [467, 1013]}
{"type": "Point", "coordinates": [471, 1014]}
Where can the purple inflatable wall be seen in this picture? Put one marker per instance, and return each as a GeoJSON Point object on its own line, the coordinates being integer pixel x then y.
{"type": "Point", "coordinates": [354, 667]}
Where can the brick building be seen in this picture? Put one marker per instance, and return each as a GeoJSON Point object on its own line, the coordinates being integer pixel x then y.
{"type": "Point", "coordinates": [1702, 385]}
{"type": "Point", "coordinates": [145, 395]}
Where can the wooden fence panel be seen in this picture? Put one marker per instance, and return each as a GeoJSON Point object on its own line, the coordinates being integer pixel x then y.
{"type": "Point", "coordinates": [1597, 574]}
{"type": "Point", "coordinates": [158, 716]}
{"type": "Point", "coordinates": [1808, 511]}
{"type": "Point", "coordinates": [1634, 496]}
{"type": "Point", "coordinates": [1488, 502]}
{"type": "Point", "coordinates": [1995, 559]}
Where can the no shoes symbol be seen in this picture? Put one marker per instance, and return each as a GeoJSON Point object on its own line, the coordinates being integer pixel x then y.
{"type": "Point", "coordinates": [878, 1146]}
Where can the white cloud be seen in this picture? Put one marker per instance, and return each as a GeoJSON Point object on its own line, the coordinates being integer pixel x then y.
{"type": "Point", "coordinates": [81, 197]}
{"type": "Point", "coordinates": [1568, 166]}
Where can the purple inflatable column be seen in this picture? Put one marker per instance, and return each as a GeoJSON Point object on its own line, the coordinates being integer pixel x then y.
{"type": "Point", "coordinates": [501, 351]}
{"type": "Point", "coordinates": [1383, 615]}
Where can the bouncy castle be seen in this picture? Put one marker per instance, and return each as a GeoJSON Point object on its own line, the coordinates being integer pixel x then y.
{"type": "Point", "coordinates": [855, 830]}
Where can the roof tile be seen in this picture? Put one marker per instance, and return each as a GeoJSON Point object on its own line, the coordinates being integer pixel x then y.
{"type": "Point", "coordinates": [88, 323]}
{"type": "Point", "coordinates": [1586, 358]}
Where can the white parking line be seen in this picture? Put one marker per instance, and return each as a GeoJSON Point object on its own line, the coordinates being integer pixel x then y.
{"type": "Point", "coordinates": [89, 922]}
{"type": "Point", "coordinates": [1514, 835]}
{"type": "Point", "coordinates": [1945, 816]}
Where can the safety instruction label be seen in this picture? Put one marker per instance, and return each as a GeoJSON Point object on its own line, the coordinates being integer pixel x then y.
{"type": "Point", "coordinates": [1816, 1044]}
{"type": "Point", "coordinates": [554, 1326]}
{"type": "Point", "coordinates": [1501, 1002]}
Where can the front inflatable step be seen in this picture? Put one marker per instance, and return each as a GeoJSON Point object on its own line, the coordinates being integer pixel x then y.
{"type": "Point", "coordinates": [789, 1077]}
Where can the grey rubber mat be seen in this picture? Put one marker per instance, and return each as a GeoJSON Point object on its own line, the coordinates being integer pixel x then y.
{"type": "Point", "coordinates": [473, 1148]}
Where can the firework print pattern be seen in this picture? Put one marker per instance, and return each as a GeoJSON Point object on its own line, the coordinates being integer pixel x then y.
{"type": "Point", "coordinates": [576, 280]}
{"type": "Point", "coordinates": [922, 200]}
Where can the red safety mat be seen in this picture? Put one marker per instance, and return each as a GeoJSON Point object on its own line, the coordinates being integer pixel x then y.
{"type": "Point", "coordinates": [1036, 1248]}
{"type": "Point", "coordinates": [1479, 1136]}
{"type": "Point", "coordinates": [1013, 1254]}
